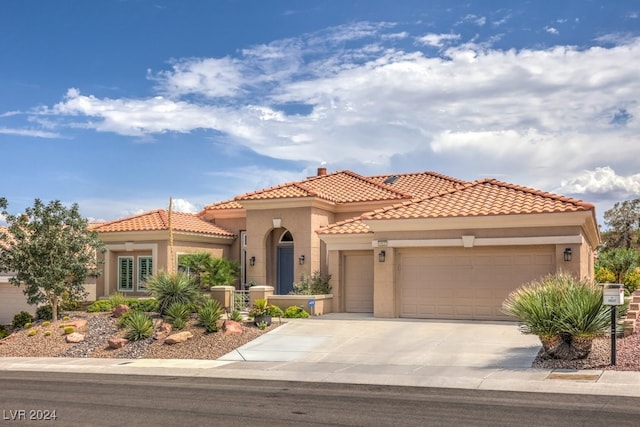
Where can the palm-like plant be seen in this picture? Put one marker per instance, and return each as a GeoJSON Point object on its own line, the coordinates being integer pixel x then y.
{"type": "Point", "coordinates": [178, 313]}
{"type": "Point", "coordinates": [565, 312]}
{"type": "Point", "coordinates": [209, 314]}
{"type": "Point", "coordinates": [139, 326]}
{"type": "Point", "coordinates": [171, 288]}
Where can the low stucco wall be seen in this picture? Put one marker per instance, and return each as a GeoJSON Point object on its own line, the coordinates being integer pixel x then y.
{"type": "Point", "coordinates": [315, 305]}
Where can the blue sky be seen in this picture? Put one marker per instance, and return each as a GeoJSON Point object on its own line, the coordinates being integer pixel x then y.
{"type": "Point", "coordinates": [119, 105]}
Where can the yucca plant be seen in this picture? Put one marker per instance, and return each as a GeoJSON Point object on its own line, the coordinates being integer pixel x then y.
{"type": "Point", "coordinates": [139, 326]}
{"type": "Point", "coordinates": [178, 313]}
{"type": "Point", "coordinates": [566, 313]}
{"type": "Point", "coordinates": [170, 288]}
{"type": "Point", "coordinates": [209, 314]}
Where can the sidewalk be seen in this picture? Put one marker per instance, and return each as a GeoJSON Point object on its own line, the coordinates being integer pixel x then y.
{"type": "Point", "coordinates": [364, 350]}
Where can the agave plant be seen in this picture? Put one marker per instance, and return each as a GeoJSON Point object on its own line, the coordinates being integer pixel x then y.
{"type": "Point", "coordinates": [178, 313]}
{"type": "Point", "coordinates": [171, 288]}
{"type": "Point", "coordinates": [566, 313]}
{"type": "Point", "coordinates": [139, 326]}
{"type": "Point", "coordinates": [209, 314]}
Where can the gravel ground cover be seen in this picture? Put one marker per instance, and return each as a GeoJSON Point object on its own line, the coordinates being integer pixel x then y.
{"type": "Point", "coordinates": [203, 345]}
{"type": "Point", "coordinates": [101, 326]}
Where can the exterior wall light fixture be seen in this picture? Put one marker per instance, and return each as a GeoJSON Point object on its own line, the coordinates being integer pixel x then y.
{"type": "Point", "coordinates": [567, 254]}
{"type": "Point", "coordinates": [301, 259]}
{"type": "Point", "coordinates": [252, 261]}
{"type": "Point", "coordinates": [381, 256]}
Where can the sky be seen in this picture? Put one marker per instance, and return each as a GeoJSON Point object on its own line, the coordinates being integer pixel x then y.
{"type": "Point", "coordinates": [120, 105]}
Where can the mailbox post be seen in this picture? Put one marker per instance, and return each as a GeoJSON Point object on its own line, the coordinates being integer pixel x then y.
{"type": "Point", "coordinates": [613, 295]}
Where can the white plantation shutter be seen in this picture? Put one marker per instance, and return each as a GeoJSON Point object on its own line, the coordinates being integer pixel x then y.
{"type": "Point", "coordinates": [145, 270]}
{"type": "Point", "coordinates": [125, 273]}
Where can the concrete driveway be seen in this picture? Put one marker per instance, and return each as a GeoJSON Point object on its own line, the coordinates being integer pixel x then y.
{"type": "Point", "coordinates": [362, 340]}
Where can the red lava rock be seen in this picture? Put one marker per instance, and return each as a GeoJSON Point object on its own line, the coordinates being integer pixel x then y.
{"type": "Point", "coordinates": [230, 327]}
{"type": "Point", "coordinates": [117, 342]}
{"type": "Point", "coordinates": [119, 310]}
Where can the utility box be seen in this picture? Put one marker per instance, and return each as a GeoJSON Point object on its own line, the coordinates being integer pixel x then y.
{"type": "Point", "coordinates": [613, 294]}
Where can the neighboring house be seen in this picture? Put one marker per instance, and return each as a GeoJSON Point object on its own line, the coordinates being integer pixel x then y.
{"type": "Point", "coordinates": [419, 245]}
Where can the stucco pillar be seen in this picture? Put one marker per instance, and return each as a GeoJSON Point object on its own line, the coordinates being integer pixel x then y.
{"type": "Point", "coordinates": [384, 291]}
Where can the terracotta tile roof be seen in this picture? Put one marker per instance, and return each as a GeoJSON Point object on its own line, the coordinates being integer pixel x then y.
{"type": "Point", "coordinates": [159, 220]}
{"type": "Point", "coordinates": [338, 187]}
{"type": "Point", "coordinates": [419, 184]}
{"type": "Point", "coordinates": [482, 198]}
{"type": "Point", "coordinates": [349, 226]}
{"type": "Point", "coordinates": [479, 198]}
{"type": "Point", "coordinates": [227, 204]}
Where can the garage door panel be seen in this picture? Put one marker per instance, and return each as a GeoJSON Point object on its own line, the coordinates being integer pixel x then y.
{"type": "Point", "coordinates": [455, 283]}
{"type": "Point", "coordinates": [358, 281]}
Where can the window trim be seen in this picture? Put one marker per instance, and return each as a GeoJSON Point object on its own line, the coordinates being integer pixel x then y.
{"type": "Point", "coordinates": [131, 273]}
{"type": "Point", "coordinates": [149, 272]}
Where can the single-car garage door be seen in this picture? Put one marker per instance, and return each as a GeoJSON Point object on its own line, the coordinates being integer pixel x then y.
{"type": "Point", "coordinates": [358, 282]}
{"type": "Point", "coordinates": [467, 283]}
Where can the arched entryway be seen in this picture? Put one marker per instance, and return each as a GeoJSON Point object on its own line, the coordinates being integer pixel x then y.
{"type": "Point", "coordinates": [284, 263]}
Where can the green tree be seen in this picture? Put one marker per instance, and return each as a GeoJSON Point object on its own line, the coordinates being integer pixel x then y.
{"type": "Point", "coordinates": [619, 261]}
{"type": "Point", "coordinates": [209, 271]}
{"type": "Point", "coordinates": [623, 221]}
{"type": "Point", "coordinates": [50, 250]}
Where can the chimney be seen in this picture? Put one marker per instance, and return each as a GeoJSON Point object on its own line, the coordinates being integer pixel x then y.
{"type": "Point", "coordinates": [322, 171]}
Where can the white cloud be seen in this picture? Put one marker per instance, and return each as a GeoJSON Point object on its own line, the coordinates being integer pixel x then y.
{"type": "Point", "coordinates": [551, 30]}
{"type": "Point", "coordinates": [182, 205]}
{"type": "Point", "coordinates": [602, 180]}
{"type": "Point", "coordinates": [438, 40]}
{"type": "Point", "coordinates": [29, 132]}
{"type": "Point", "coordinates": [535, 115]}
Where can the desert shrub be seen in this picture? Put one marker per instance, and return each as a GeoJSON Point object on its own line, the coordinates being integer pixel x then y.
{"type": "Point", "coordinates": [295, 312]}
{"type": "Point", "coordinates": [28, 325]}
{"type": "Point", "coordinates": [209, 314]}
{"type": "Point", "coordinates": [32, 333]}
{"type": "Point", "coordinates": [236, 316]}
{"type": "Point", "coordinates": [66, 318]}
{"type": "Point", "coordinates": [21, 319]}
{"type": "Point", "coordinates": [317, 284]}
{"type": "Point", "coordinates": [565, 312]}
{"type": "Point", "coordinates": [147, 305]}
{"type": "Point", "coordinates": [178, 313]}
{"type": "Point", "coordinates": [139, 326]}
{"type": "Point", "coordinates": [102, 305]}
{"type": "Point", "coordinates": [262, 325]}
{"type": "Point", "coordinates": [631, 281]}
{"type": "Point", "coordinates": [46, 323]}
{"type": "Point", "coordinates": [44, 312]}
{"type": "Point", "coordinates": [604, 275]}
{"type": "Point", "coordinates": [3, 332]}
{"type": "Point", "coordinates": [69, 330]}
{"type": "Point", "coordinates": [47, 333]}
{"type": "Point", "coordinates": [117, 299]}
{"type": "Point", "coordinates": [274, 310]}
{"type": "Point", "coordinates": [169, 288]}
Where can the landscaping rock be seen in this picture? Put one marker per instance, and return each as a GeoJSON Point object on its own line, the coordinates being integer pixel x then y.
{"type": "Point", "coordinates": [162, 330]}
{"type": "Point", "coordinates": [79, 325]}
{"type": "Point", "coordinates": [74, 338]}
{"type": "Point", "coordinates": [178, 337]}
{"type": "Point", "coordinates": [117, 342]}
{"type": "Point", "coordinates": [231, 327]}
{"type": "Point", "coordinates": [119, 310]}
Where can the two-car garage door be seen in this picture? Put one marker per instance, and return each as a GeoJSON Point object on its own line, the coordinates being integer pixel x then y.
{"type": "Point", "coordinates": [466, 283]}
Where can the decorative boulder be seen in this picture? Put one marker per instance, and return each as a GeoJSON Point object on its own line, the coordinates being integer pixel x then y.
{"type": "Point", "coordinates": [74, 338]}
{"type": "Point", "coordinates": [77, 324]}
{"type": "Point", "coordinates": [119, 310]}
{"type": "Point", "coordinates": [178, 337]}
{"type": "Point", "coordinates": [117, 342]}
{"type": "Point", "coordinates": [162, 330]}
{"type": "Point", "coordinates": [230, 327]}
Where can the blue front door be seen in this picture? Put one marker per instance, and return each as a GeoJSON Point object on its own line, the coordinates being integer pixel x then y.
{"type": "Point", "coordinates": [285, 270]}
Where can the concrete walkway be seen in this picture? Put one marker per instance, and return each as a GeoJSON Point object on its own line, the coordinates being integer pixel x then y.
{"type": "Point", "coordinates": [360, 349]}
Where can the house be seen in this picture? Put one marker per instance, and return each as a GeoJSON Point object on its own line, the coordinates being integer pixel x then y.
{"type": "Point", "coordinates": [419, 245]}
{"type": "Point", "coordinates": [12, 298]}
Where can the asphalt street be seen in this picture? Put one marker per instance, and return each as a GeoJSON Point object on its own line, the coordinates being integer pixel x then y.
{"type": "Point", "coordinates": [116, 400]}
